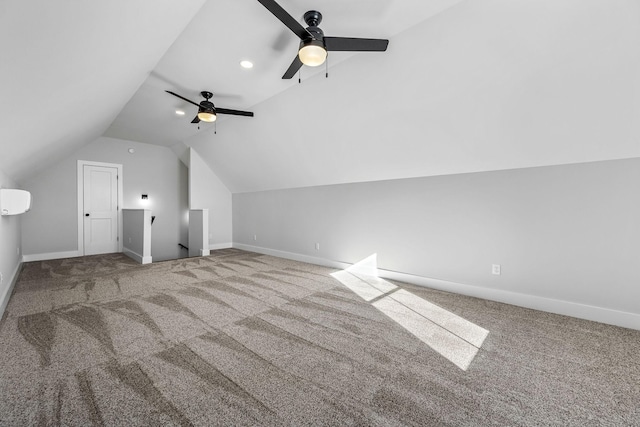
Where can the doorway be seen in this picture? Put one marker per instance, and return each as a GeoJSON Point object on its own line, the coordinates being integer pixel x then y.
{"type": "Point", "coordinates": [99, 208]}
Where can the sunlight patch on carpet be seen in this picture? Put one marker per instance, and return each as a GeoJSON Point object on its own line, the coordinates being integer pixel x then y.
{"type": "Point", "coordinates": [452, 336]}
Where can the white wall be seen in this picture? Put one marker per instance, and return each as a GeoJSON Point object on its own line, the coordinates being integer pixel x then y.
{"type": "Point", "coordinates": [10, 247]}
{"type": "Point", "coordinates": [51, 225]}
{"type": "Point", "coordinates": [206, 191]}
{"type": "Point", "coordinates": [565, 233]}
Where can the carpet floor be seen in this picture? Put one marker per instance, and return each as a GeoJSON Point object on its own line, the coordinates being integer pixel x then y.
{"type": "Point", "coordinates": [240, 338]}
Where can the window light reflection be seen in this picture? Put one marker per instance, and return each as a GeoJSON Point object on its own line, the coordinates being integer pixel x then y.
{"type": "Point", "coordinates": [450, 335]}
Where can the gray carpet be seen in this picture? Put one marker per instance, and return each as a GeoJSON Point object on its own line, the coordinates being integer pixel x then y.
{"type": "Point", "coordinates": [239, 338]}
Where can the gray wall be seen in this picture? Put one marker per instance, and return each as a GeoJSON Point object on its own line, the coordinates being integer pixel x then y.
{"type": "Point", "coordinates": [206, 191]}
{"type": "Point", "coordinates": [10, 244]}
{"type": "Point", "coordinates": [568, 233]}
{"type": "Point", "coordinates": [51, 226]}
{"type": "Point", "coordinates": [136, 227]}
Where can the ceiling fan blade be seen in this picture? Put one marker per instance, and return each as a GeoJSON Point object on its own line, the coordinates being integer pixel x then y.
{"type": "Point", "coordinates": [287, 19]}
{"type": "Point", "coordinates": [234, 112]}
{"type": "Point", "coordinates": [196, 119]}
{"type": "Point", "coordinates": [293, 68]}
{"type": "Point", "coordinates": [348, 44]}
{"type": "Point", "coordinates": [183, 98]}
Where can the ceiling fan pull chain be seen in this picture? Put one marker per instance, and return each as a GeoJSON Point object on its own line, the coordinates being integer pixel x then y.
{"type": "Point", "coordinates": [299, 79]}
{"type": "Point", "coordinates": [215, 128]}
{"type": "Point", "coordinates": [326, 67]}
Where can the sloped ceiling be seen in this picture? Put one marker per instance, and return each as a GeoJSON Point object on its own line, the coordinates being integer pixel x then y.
{"type": "Point", "coordinates": [465, 85]}
{"type": "Point", "coordinates": [207, 56]}
{"type": "Point", "coordinates": [68, 67]}
{"type": "Point", "coordinates": [485, 85]}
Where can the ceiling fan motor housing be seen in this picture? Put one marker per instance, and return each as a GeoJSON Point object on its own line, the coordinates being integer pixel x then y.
{"type": "Point", "coordinates": [317, 40]}
{"type": "Point", "coordinates": [207, 106]}
{"type": "Point", "coordinates": [312, 42]}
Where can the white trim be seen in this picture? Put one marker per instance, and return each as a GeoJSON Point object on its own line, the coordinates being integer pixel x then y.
{"type": "Point", "coordinates": [294, 256]}
{"type": "Point", "coordinates": [217, 246]}
{"type": "Point", "coordinates": [566, 308]}
{"type": "Point", "coordinates": [137, 257]}
{"type": "Point", "coordinates": [4, 300]}
{"type": "Point", "coordinates": [80, 182]}
{"type": "Point", "coordinates": [50, 255]}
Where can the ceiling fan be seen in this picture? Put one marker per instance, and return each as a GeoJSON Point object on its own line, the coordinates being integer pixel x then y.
{"type": "Point", "coordinates": [207, 112]}
{"type": "Point", "coordinates": [313, 43]}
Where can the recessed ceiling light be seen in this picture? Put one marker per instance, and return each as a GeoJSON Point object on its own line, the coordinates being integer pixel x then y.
{"type": "Point", "coordinates": [246, 64]}
{"type": "Point", "coordinates": [180, 112]}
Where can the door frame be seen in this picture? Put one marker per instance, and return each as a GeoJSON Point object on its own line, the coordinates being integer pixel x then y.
{"type": "Point", "coordinates": [81, 165]}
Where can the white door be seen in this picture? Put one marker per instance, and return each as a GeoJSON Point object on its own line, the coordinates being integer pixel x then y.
{"type": "Point", "coordinates": [100, 206]}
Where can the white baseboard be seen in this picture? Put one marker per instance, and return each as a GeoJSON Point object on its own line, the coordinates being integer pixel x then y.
{"type": "Point", "coordinates": [566, 308]}
{"type": "Point", "coordinates": [50, 255]}
{"type": "Point", "coordinates": [4, 298]}
{"type": "Point", "coordinates": [136, 256]}
{"type": "Point", "coordinates": [217, 246]}
{"type": "Point", "coordinates": [294, 256]}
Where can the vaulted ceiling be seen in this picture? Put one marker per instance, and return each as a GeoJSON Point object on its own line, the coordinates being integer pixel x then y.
{"type": "Point", "coordinates": [69, 67]}
{"type": "Point", "coordinates": [465, 85]}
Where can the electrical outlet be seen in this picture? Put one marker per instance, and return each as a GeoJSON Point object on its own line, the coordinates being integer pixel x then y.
{"type": "Point", "coordinates": [255, 237]}
{"type": "Point", "coordinates": [495, 269]}
{"type": "Point", "coordinates": [317, 246]}
{"type": "Point", "coordinates": [17, 251]}
{"type": "Point", "coordinates": [1, 278]}
{"type": "Point", "coordinates": [129, 239]}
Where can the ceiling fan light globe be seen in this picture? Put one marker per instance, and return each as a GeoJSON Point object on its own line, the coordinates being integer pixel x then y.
{"type": "Point", "coordinates": [207, 116]}
{"type": "Point", "coordinates": [312, 55]}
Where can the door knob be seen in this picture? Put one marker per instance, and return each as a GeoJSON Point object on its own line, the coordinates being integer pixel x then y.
{"type": "Point", "coordinates": [86, 214]}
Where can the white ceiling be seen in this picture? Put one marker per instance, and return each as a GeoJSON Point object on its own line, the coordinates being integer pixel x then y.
{"type": "Point", "coordinates": [485, 85]}
{"type": "Point", "coordinates": [465, 85]}
{"type": "Point", "coordinates": [207, 56]}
